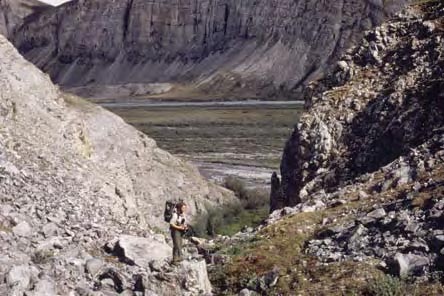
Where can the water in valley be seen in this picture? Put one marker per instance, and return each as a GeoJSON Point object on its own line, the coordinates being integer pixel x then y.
{"type": "Point", "coordinates": [243, 139]}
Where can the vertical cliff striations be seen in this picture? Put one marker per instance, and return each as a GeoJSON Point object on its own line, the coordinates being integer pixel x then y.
{"type": "Point", "coordinates": [13, 12]}
{"type": "Point", "coordinates": [263, 46]}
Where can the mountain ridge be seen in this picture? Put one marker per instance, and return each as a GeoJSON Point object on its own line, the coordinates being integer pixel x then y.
{"type": "Point", "coordinates": [226, 46]}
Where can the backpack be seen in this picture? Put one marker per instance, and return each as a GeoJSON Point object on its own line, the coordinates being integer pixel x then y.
{"type": "Point", "coordinates": [170, 208]}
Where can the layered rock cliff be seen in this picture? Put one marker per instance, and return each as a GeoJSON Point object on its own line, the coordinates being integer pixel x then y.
{"type": "Point", "coordinates": [254, 47]}
{"type": "Point", "coordinates": [13, 12]}
{"type": "Point", "coordinates": [74, 177]}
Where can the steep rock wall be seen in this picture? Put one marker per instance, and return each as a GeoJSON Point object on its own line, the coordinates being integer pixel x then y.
{"type": "Point", "coordinates": [383, 100]}
{"type": "Point", "coordinates": [12, 13]}
{"type": "Point", "coordinates": [263, 45]}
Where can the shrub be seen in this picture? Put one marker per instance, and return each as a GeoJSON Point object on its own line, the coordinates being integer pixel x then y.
{"type": "Point", "coordinates": [229, 219]}
{"type": "Point", "coordinates": [386, 285]}
{"type": "Point", "coordinates": [251, 199]}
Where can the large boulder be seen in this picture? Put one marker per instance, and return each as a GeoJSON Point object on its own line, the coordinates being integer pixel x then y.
{"type": "Point", "coordinates": [141, 251]}
{"type": "Point", "coordinates": [405, 265]}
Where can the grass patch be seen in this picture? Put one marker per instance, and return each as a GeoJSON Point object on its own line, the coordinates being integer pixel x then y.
{"type": "Point", "coordinates": [86, 148]}
{"type": "Point", "coordinates": [251, 199]}
{"type": "Point", "coordinates": [281, 246]}
{"type": "Point", "coordinates": [245, 135]}
{"type": "Point", "coordinates": [4, 228]}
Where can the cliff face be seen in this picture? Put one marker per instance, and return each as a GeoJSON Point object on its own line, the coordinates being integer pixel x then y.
{"type": "Point", "coordinates": [262, 45]}
{"type": "Point", "coordinates": [12, 13]}
{"type": "Point", "coordinates": [383, 101]}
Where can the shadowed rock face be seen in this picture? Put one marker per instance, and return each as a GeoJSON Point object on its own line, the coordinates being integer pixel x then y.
{"type": "Point", "coordinates": [262, 45]}
{"type": "Point", "coordinates": [383, 101]}
{"type": "Point", "coordinates": [12, 13]}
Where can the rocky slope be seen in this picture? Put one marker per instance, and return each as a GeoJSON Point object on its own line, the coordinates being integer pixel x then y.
{"type": "Point", "coordinates": [247, 48]}
{"type": "Point", "coordinates": [375, 127]}
{"type": "Point", "coordinates": [383, 100]}
{"type": "Point", "coordinates": [13, 12]}
{"type": "Point", "coordinates": [74, 177]}
{"type": "Point", "coordinates": [363, 176]}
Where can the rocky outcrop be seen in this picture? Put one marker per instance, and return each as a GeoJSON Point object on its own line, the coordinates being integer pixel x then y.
{"type": "Point", "coordinates": [13, 12]}
{"type": "Point", "coordinates": [383, 100]}
{"type": "Point", "coordinates": [253, 47]}
{"type": "Point", "coordinates": [373, 135]}
{"type": "Point", "coordinates": [74, 177]}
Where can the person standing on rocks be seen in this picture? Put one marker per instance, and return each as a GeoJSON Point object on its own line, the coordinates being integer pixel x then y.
{"type": "Point", "coordinates": [178, 227]}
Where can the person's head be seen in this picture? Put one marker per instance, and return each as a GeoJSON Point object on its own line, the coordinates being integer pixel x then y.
{"type": "Point", "coordinates": [181, 207]}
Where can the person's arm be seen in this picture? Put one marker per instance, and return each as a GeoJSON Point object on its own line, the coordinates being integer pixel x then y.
{"type": "Point", "coordinates": [174, 225]}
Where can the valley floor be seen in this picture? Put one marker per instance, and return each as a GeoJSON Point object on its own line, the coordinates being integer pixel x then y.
{"type": "Point", "coordinates": [242, 139]}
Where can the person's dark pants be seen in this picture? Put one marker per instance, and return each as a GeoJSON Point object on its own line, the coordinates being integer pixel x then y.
{"type": "Point", "coordinates": [176, 235]}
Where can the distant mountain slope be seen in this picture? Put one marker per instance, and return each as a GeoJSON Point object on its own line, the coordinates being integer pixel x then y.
{"type": "Point", "coordinates": [258, 48]}
{"type": "Point", "coordinates": [12, 13]}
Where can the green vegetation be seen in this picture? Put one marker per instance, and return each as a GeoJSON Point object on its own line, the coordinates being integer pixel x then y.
{"type": "Point", "coordinates": [251, 210]}
{"type": "Point", "coordinates": [280, 246]}
{"type": "Point", "coordinates": [251, 199]}
{"type": "Point", "coordinates": [4, 228]}
{"type": "Point", "coordinates": [386, 285]}
{"type": "Point", "coordinates": [247, 135]}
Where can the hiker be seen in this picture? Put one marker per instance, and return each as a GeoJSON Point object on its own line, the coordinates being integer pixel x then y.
{"type": "Point", "coordinates": [178, 227]}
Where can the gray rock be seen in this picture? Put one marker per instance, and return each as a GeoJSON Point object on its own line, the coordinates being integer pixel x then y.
{"type": "Point", "coordinates": [93, 266]}
{"type": "Point", "coordinates": [50, 229]}
{"type": "Point", "coordinates": [409, 264]}
{"type": "Point", "coordinates": [156, 265]}
{"type": "Point", "coordinates": [342, 65]}
{"type": "Point", "coordinates": [20, 277]}
{"type": "Point", "coordinates": [141, 251]}
{"type": "Point", "coordinates": [362, 195]}
{"type": "Point", "coordinates": [246, 292]}
{"type": "Point", "coordinates": [377, 214]}
{"type": "Point", "coordinates": [22, 229]}
{"type": "Point", "coordinates": [45, 287]}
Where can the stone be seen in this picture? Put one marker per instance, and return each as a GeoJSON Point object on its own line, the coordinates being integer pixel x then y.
{"type": "Point", "coordinates": [22, 229]}
{"type": "Point", "coordinates": [141, 251]}
{"type": "Point", "coordinates": [246, 292]}
{"type": "Point", "coordinates": [93, 266]}
{"type": "Point", "coordinates": [377, 214]}
{"type": "Point", "coordinates": [50, 229]}
{"type": "Point", "coordinates": [19, 276]}
{"type": "Point", "coordinates": [196, 271]}
{"type": "Point", "coordinates": [409, 264]}
{"type": "Point", "coordinates": [362, 195]}
{"type": "Point", "coordinates": [156, 265]}
{"type": "Point", "coordinates": [45, 287]}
